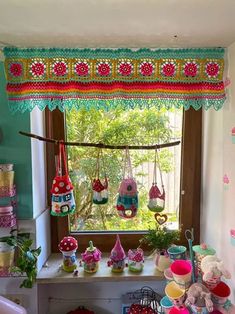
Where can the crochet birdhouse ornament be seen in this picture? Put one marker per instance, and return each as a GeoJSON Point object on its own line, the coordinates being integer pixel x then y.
{"type": "Point", "coordinates": [62, 198]}
{"type": "Point", "coordinates": [156, 198]}
{"type": "Point", "coordinates": [127, 201]}
{"type": "Point", "coordinates": [100, 190]}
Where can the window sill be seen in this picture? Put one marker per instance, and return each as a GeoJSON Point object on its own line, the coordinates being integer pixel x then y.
{"type": "Point", "coordinates": [54, 274]}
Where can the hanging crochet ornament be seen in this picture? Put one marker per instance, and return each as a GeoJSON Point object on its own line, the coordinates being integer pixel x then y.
{"type": "Point", "coordinates": [127, 202]}
{"type": "Point", "coordinates": [62, 198]}
{"type": "Point", "coordinates": [156, 198]}
{"type": "Point", "coordinates": [100, 190]}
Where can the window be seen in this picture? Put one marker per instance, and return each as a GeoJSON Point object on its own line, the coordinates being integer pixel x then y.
{"type": "Point", "coordinates": [190, 171]}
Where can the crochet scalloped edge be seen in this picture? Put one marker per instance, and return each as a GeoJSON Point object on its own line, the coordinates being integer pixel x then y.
{"type": "Point", "coordinates": [88, 104]}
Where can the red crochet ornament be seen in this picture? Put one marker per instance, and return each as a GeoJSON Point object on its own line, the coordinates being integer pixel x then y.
{"type": "Point", "coordinates": [81, 310]}
{"type": "Point", "coordinates": [156, 198]}
{"type": "Point", "coordinates": [100, 190]}
{"type": "Point", "coordinates": [140, 309]}
{"type": "Point", "coordinates": [62, 198]}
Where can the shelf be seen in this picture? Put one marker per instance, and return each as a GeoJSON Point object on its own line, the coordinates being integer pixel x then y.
{"type": "Point", "coordinates": [54, 274]}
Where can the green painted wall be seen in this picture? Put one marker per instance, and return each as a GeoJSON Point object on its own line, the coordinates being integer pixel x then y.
{"type": "Point", "coordinates": [16, 149]}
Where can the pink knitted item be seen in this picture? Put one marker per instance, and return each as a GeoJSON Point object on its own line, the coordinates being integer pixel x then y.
{"type": "Point", "coordinates": [118, 253]}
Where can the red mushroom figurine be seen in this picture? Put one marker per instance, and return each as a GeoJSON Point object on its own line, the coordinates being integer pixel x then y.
{"type": "Point", "coordinates": [68, 247]}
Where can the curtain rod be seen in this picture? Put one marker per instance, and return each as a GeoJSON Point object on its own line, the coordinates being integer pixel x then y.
{"type": "Point", "coordinates": [99, 145]}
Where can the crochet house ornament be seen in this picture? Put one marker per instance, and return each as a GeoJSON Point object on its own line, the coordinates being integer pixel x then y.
{"type": "Point", "coordinates": [107, 78]}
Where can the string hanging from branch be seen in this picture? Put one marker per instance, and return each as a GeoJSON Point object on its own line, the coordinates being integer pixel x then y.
{"type": "Point", "coordinates": [100, 145]}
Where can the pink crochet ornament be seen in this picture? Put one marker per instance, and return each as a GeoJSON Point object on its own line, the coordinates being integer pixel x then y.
{"type": "Point", "coordinates": [127, 202]}
{"type": "Point", "coordinates": [156, 198]}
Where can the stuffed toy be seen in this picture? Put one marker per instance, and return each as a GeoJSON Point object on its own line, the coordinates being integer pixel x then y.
{"type": "Point", "coordinates": [199, 299]}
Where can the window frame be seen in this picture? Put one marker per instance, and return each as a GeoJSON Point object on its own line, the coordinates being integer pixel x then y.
{"type": "Point", "coordinates": [190, 185]}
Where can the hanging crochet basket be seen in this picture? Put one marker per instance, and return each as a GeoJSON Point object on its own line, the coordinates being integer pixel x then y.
{"type": "Point", "coordinates": [99, 188]}
{"type": "Point", "coordinates": [127, 201]}
{"type": "Point", "coordinates": [62, 198]}
{"type": "Point", "coordinates": [156, 197]}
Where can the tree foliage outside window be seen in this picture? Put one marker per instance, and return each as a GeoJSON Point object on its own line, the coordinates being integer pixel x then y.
{"type": "Point", "coordinates": [118, 127]}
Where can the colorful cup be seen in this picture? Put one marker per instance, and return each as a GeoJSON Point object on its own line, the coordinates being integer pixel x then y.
{"type": "Point", "coordinates": [200, 252]}
{"type": "Point", "coordinates": [180, 310]}
{"type": "Point", "coordinates": [177, 252]}
{"type": "Point", "coordinates": [198, 309]}
{"type": "Point", "coordinates": [220, 293]}
{"type": "Point", "coordinates": [166, 305]}
{"type": "Point", "coordinates": [182, 273]}
{"type": "Point", "coordinates": [175, 293]}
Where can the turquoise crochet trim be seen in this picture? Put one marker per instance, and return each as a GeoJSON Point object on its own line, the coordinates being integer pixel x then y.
{"type": "Point", "coordinates": [124, 53]}
{"type": "Point", "coordinates": [69, 104]}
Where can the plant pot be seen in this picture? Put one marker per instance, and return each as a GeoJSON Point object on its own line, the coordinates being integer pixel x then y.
{"type": "Point", "coordinates": [6, 255]}
{"type": "Point", "coordinates": [162, 261]}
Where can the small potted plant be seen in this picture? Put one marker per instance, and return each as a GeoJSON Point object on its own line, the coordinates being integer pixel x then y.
{"type": "Point", "coordinates": [26, 260]}
{"type": "Point", "coordinates": [159, 240]}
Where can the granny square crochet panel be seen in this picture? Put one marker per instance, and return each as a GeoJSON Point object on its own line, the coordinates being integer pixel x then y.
{"type": "Point", "coordinates": [107, 78]}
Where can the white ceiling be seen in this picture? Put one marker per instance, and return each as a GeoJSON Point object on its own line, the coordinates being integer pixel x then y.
{"type": "Point", "coordinates": [117, 23]}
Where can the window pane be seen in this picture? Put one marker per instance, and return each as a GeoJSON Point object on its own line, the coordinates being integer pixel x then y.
{"type": "Point", "coordinates": [120, 127]}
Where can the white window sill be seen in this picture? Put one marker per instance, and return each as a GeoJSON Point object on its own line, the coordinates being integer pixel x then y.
{"type": "Point", "coordinates": [54, 274]}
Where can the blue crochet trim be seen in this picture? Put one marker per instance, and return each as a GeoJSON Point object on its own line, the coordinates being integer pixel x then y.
{"type": "Point", "coordinates": [108, 104]}
{"type": "Point", "coordinates": [124, 53]}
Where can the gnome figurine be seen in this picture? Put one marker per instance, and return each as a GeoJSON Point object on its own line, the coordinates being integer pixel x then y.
{"type": "Point", "coordinates": [117, 257]}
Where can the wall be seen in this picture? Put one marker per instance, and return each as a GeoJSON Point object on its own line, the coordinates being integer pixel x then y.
{"type": "Point", "coordinates": [217, 217]}
{"type": "Point", "coordinates": [102, 297]}
{"type": "Point", "coordinates": [16, 149]}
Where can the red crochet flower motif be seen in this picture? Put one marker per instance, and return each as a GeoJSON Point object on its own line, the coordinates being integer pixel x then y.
{"type": "Point", "coordinates": [37, 68]}
{"type": "Point", "coordinates": [82, 68]}
{"type": "Point", "coordinates": [212, 69]}
{"type": "Point", "coordinates": [103, 68]}
{"type": "Point", "coordinates": [16, 69]}
{"type": "Point", "coordinates": [125, 68]}
{"type": "Point", "coordinates": [168, 69]}
{"type": "Point", "coordinates": [60, 68]}
{"type": "Point", "coordinates": [146, 68]}
{"type": "Point", "coordinates": [191, 69]}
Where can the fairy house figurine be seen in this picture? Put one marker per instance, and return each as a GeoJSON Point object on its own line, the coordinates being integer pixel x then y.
{"type": "Point", "coordinates": [91, 258]}
{"type": "Point", "coordinates": [117, 257]}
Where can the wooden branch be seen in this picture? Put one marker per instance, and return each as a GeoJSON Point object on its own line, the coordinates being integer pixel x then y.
{"type": "Point", "coordinates": [100, 145]}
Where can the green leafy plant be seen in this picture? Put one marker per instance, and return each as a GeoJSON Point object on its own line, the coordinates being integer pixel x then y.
{"type": "Point", "coordinates": [26, 261]}
{"type": "Point", "coordinates": [160, 238]}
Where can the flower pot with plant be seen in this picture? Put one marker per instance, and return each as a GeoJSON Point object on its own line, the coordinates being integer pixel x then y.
{"type": "Point", "coordinates": [159, 240]}
{"type": "Point", "coordinates": [26, 260]}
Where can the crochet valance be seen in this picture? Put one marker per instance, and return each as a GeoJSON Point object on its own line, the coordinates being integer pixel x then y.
{"type": "Point", "coordinates": [106, 78]}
